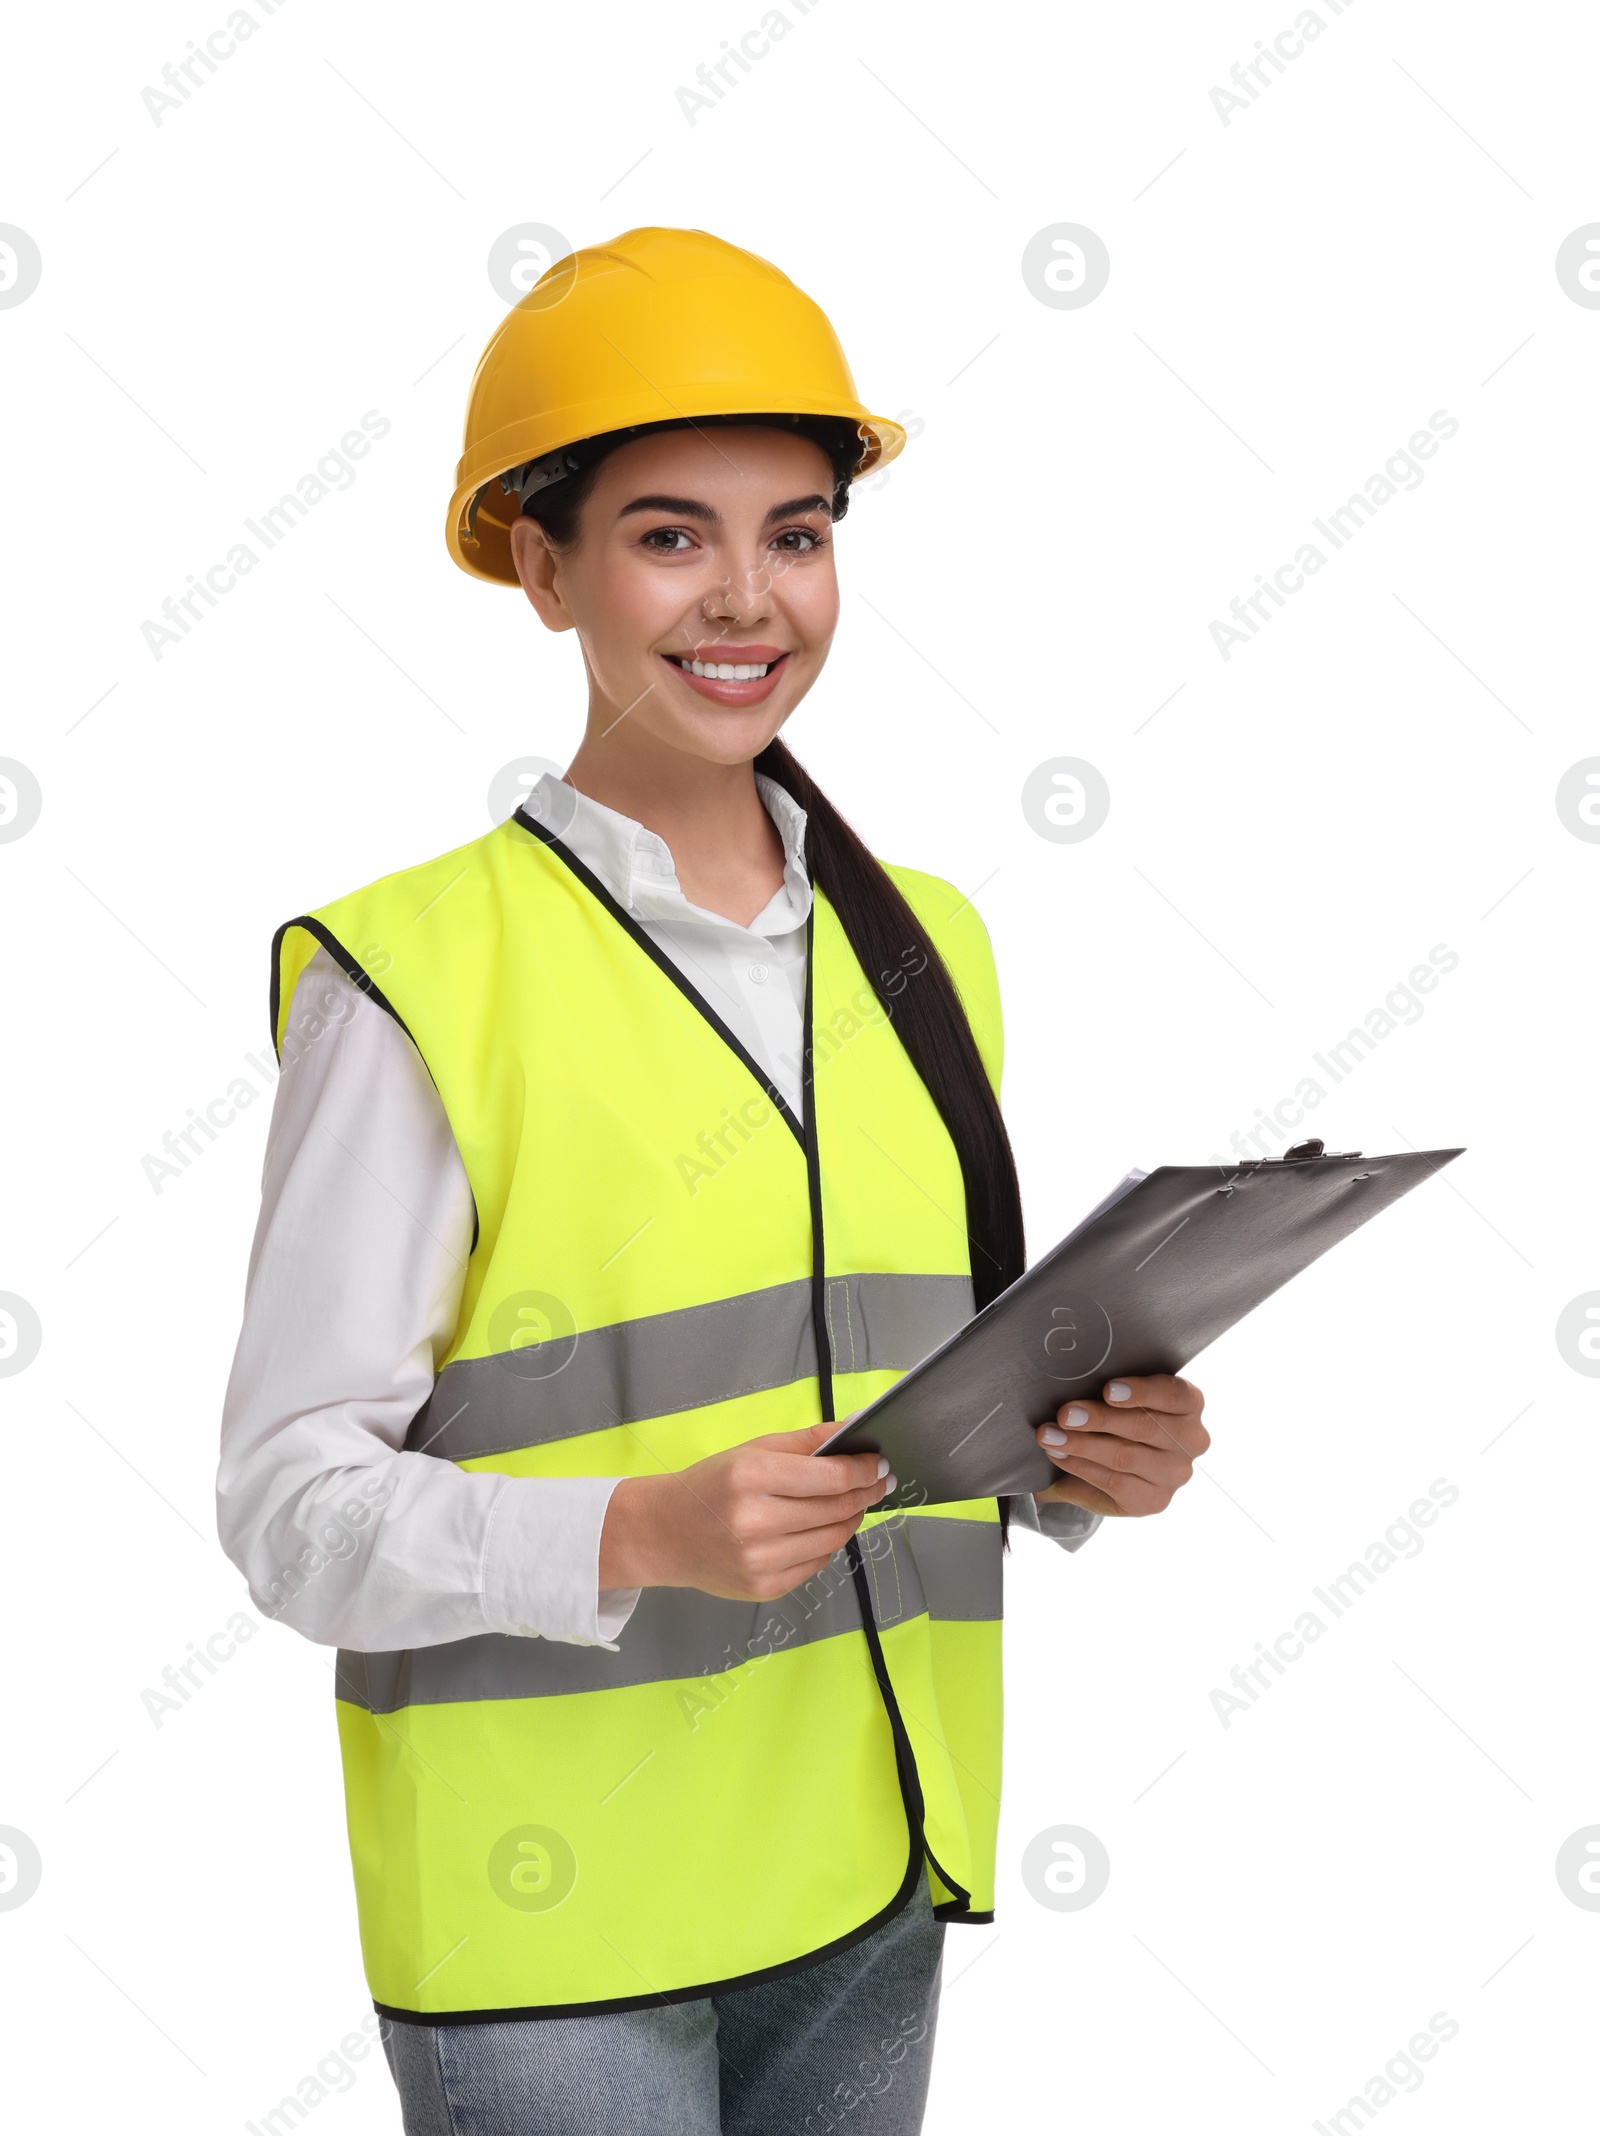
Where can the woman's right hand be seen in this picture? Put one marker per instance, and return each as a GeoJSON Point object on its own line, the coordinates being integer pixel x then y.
{"type": "Point", "coordinates": [748, 1524]}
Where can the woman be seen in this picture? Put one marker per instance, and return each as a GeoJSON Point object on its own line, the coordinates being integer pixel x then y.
{"type": "Point", "coordinates": [616, 1154]}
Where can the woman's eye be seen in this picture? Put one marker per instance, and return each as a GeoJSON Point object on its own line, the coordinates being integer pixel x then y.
{"type": "Point", "coordinates": [797, 541]}
{"type": "Point", "coordinates": [667, 541]}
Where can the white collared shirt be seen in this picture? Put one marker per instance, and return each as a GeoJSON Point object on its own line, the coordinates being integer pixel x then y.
{"type": "Point", "coordinates": [355, 1282]}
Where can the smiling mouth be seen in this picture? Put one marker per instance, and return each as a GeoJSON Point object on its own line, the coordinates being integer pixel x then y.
{"type": "Point", "coordinates": [726, 670]}
{"type": "Point", "coordinates": [733, 682]}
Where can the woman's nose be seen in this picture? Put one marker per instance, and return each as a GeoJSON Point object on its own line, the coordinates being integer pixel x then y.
{"type": "Point", "coordinates": [740, 598]}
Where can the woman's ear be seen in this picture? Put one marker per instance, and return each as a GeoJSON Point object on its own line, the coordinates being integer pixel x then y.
{"type": "Point", "coordinates": [537, 567]}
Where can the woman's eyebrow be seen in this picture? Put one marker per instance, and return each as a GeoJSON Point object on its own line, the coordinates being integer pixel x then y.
{"type": "Point", "coordinates": [680, 507]}
{"type": "Point", "coordinates": [796, 506]}
{"type": "Point", "coordinates": [691, 508]}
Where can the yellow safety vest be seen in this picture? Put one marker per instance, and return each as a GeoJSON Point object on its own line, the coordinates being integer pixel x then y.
{"type": "Point", "coordinates": [666, 1263]}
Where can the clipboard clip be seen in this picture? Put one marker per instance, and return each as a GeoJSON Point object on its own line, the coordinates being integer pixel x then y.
{"type": "Point", "coordinates": [1306, 1152]}
{"type": "Point", "coordinates": [1303, 1152]}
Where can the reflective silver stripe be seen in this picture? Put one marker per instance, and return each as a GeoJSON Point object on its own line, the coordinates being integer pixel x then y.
{"type": "Point", "coordinates": [948, 1568]}
{"type": "Point", "coordinates": [666, 1362]}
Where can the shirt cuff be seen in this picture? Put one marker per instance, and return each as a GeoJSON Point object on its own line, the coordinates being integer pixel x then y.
{"type": "Point", "coordinates": [1070, 1526]}
{"type": "Point", "coordinates": [541, 1562]}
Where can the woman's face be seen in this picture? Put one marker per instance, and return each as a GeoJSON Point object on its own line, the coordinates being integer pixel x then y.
{"type": "Point", "coordinates": [709, 549]}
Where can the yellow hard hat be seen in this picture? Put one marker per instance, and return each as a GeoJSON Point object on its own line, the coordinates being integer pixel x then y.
{"type": "Point", "coordinates": [659, 324]}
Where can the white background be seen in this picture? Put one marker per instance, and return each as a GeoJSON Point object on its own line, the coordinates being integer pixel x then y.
{"type": "Point", "coordinates": [1291, 296]}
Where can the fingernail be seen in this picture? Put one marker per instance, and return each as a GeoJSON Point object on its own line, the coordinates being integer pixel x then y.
{"type": "Point", "coordinates": [893, 1484]}
{"type": "Point", "coordinates": [1077, 1414]}
{"type": "Point", "coordinates": [1118, 1391]}
{"type": "Point", "coordinates": [883, 1466]}
{"type": "Point", "coordinates": [1053, 1436]}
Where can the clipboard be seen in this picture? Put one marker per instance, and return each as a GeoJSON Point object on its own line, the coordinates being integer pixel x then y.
{"type": "Point", "coordinates": [1167, 1263]}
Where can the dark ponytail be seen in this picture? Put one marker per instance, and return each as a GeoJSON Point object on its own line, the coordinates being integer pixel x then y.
{"type": "Point", "coordinates": [881, 926]}
{"type": "Point", "coordinates": [932, 1026]}
{"type": "Point", "coordinates": [927, 1014]}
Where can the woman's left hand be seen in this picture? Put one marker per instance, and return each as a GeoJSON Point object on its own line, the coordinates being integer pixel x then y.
{"type": "Point", "coordinates": [1130, 1452]}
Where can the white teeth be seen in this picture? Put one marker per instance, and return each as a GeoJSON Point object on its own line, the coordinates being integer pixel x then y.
{"type": "Point", "coordinates": [727, 670]}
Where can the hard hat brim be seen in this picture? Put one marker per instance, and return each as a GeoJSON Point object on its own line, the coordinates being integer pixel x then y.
{"type": "Point", "coordinates": [481, 514]}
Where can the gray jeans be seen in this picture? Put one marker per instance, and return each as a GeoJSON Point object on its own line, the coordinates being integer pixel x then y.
{"type": "Point", "coordinates": [840, 2049]}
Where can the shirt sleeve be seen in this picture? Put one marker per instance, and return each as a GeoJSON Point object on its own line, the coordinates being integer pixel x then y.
{"type": "Point", "coordinates": [1070, 1526]}
{"type": "Point", "coordinates": [354, 1284]}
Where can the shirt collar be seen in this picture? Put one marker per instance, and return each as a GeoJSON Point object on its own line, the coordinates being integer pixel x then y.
{"type": "Point", "coordinates": [636, 865]}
